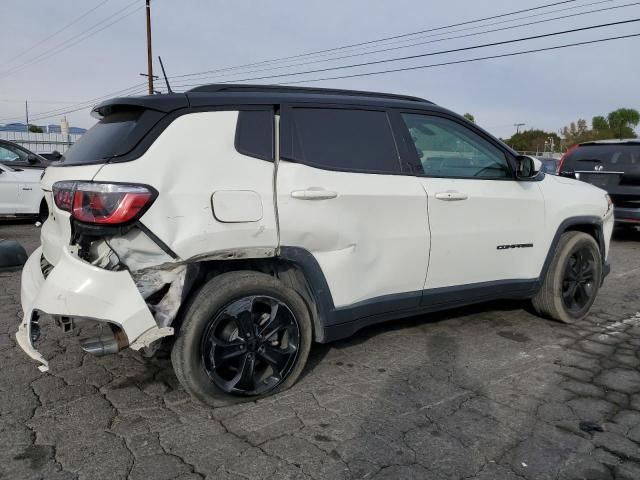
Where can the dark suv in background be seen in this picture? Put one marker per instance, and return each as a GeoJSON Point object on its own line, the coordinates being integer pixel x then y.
{"type": "Point", "coordinates": [613, 165]}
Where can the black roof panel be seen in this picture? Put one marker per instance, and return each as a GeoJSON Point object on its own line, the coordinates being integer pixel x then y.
{"type": "Point", "coordinates": [227, 94]}
{"type": "Point", "coordinates": [302, 91]}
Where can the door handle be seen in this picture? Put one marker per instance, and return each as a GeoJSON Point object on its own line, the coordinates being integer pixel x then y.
{"type": "Point", "coordinates": [313, 194]}
{"type": "Point", "coordinates": [451, 196]}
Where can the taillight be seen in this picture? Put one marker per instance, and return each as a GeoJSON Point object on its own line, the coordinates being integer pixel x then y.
{"type": "Point", "coordinates": [103, 203]}
{"type": "Point", "coordinates": [564, 157]}
{"type": "Point", "coordinates": [63, 195]}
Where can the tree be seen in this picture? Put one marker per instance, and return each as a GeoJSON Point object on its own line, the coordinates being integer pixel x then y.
{"type": "Point", "coordinates": [533, 141]}
{"type": "Point", "coordinates": [35, 129]}
{"type": "Point", "coordinates": [470, 117]}
{"type": "Point", "coordinates": [622, 122]}
{"type": "Point", "coordinates": [600, 123]}
{"type": "Point", "coordinates": [618, 124]}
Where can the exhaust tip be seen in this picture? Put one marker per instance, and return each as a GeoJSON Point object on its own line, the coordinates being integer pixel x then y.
{"type": "Point", "coordinates": [105, 344]}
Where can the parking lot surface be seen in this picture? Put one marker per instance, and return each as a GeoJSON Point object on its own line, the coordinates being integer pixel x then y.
{"type": "Point", "coordinates": [489, 392]}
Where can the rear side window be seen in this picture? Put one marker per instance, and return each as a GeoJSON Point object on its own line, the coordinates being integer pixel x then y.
{"type": "Point", "coordinates": [342, 139]}
{"type": "Point", "coordinates": [114, 135]}
{"type": "Point", "coordinates": [254, 134]}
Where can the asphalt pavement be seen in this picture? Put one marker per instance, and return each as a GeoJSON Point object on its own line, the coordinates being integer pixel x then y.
{"type": "Point", "coordinates": [488, 392]}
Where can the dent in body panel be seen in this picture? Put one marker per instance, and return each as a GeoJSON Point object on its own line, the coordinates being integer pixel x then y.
{"type": "Point", "coordinates": [192, 160]}
{"type": "Point", "coordinates": [371, 239]}
{"type": "Point", "coordinates": [161, 280]}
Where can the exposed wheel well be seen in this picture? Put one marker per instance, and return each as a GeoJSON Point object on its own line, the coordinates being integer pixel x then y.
{"type": "Point", "coordinates": [287, 272]}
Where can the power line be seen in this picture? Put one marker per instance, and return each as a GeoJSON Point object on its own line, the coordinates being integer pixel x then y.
{"type": "Point", "coordinates": [457, 62]}
{"type": "Point", "coordinates": [344, 47]}
{"type": "Point", "coordinates": [132, 90]}
{"type": "Point", "coordinates": [501, 22]}
{"type": "Point", "coordinates": [57, 32]}
{"type": "Point", "coordinates": [430, 41]}
{"type": "Point", "coordinates": [441, 52]}
{"type": "Point", "coordinates": [78, 38]}
{"type": "Point", "coordinates": [43, 102]}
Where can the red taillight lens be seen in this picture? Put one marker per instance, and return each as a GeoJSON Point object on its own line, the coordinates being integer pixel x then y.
{"type": "Point", "coordinates": [564, 157]}
{"type": "Point", "coordinates": [63, 195]}
{"type": "Point", "coordinates": [103, 203]}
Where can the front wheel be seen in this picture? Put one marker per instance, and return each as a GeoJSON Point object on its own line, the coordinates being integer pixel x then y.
{"type": "Point", "coordinates": [245, 336]}
{"type": "Point", "coordinates": [572, 280]}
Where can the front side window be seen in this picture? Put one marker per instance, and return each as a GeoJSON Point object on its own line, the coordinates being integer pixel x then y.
{"type": "Point", "coordinates": [10, 154]}
{"type": "Point", "coordinates": [448, 149]}
{"type": "Point", "coordinates": [345, 140]}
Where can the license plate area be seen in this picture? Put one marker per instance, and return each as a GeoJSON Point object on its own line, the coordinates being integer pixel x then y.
{"type": "Point", "coordinates": [600, 179]}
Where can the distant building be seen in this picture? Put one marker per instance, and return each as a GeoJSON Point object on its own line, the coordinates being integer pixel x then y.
{"type": "Point", "coordinates": [21, 127]}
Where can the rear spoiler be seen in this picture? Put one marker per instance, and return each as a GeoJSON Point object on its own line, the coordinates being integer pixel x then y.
{"type": "Point", "coordinates": [159, 103]}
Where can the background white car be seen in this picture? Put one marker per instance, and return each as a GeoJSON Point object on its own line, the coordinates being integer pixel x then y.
{"type": "Point", "coordinates": [20, 173]}
{"type": "Point", "coordinates": [20, 192]}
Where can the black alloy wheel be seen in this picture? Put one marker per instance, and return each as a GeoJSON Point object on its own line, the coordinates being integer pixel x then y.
{"type": "Point", "coordinates": [250, 345]}
{"type": "Point", "coordinates": [579, 279]}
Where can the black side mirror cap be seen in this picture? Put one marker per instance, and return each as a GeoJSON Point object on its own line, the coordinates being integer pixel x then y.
{"type": "Point", "coordinates": [32, 159]}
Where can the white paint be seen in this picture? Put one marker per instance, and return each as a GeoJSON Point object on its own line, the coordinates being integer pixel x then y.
{"type": "Point", "coordinates": [193, 158]}
{"type": "Point", "coordinates": [233, 206]}
{"type": "Point", "coordinates": [465, 234]}
{"type": "Point", "coordinates": [371, 239]}
{"type": "Point", "coordinates": [77, 289]}
{"type": "Point", "coordinates": [20, 191]}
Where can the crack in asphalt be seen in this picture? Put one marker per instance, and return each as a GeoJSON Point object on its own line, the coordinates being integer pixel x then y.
{"type": "Point", "coordinates": [367, 407]}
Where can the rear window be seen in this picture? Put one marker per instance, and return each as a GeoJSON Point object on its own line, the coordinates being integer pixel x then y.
{"type": "Point", "coordinates": [611, 157]}
{"type": "Point", "coordinates": [342, 139]}
{"type": "Point", "coordinates": [114, 135]}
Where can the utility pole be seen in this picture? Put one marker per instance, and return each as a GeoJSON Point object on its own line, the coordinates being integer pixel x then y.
{"type": "Point", "coordinates": [26, 112]}
{"type": "Point", "coordinates": [149, 58]}
{"type": "Point", "coordinates": [518, 125]}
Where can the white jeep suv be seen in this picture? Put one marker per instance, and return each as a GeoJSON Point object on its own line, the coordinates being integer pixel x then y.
{"type": "Point", "coordinates": [250, 221]}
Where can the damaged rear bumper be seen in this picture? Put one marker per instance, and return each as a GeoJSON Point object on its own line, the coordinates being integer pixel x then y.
{"type": "Point", "coordinates": [76, 289]}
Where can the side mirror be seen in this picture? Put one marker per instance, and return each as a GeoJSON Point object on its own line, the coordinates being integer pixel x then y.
{"type": "Point", "coordinates": [56, 154]}
{"type": "Point", "coordinates": [32, 159]}
{"type": "Point", "coordinates": [528, 167]}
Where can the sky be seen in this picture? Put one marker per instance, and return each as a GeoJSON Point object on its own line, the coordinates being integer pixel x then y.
{"type": "Point", "coordinates": [544, 90]}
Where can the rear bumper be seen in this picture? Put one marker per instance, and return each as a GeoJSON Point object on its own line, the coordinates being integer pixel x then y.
{"type": "Point", "coordinates": [76, 289]}
{"type": "Point", "coordinates": [626, 215]}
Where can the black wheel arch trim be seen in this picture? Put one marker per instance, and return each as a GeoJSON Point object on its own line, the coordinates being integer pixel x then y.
{"type": "Point", "coordinates": [569, 224]}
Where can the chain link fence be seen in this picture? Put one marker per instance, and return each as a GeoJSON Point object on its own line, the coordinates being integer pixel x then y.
{"type": "Point", "coordinates": [41, 142]}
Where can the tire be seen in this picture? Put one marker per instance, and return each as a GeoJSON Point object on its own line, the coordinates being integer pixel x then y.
{"type": "Point", "coordinates": [199, 353]}
{"type": "Point", "coordinates": [555, 299]}
{"type": "Point", "coordinates": [43, 213]}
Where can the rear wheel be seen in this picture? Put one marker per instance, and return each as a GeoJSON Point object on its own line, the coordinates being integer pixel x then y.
{"type": "Point", "coordinates": [573, 279]}
{"type": "Point", "coordinates": [245, 336]}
